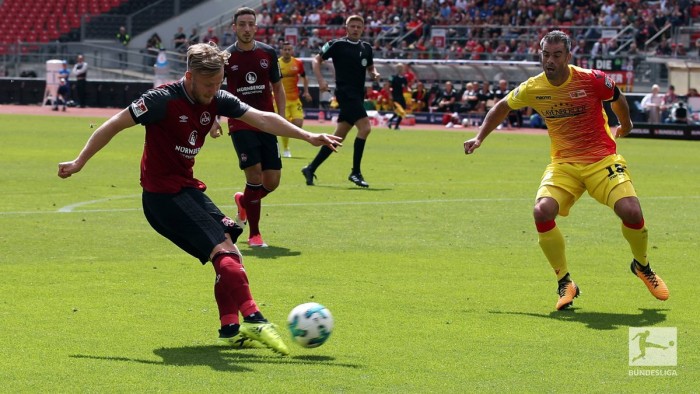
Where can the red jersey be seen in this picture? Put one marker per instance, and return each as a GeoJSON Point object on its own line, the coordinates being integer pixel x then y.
{"type": "Point", "coordinates": [175, 131]}
{"type": "Point", "coordinates": [249, 76]}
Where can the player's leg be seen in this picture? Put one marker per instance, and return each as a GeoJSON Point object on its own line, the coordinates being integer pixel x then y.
{"type": "Point", "coordinates": [192, 222]}
{"type": "Point", "coordinates": [399, 112]}
{"type": "Point", "coordinates": [363, 129]}
{"type": "Point", "coordinates": [558, 191]}
{"type": "Point", "coordinates": [295, 114]}
{"type": "Point", "coordinates": [357, 115]}
{"type": "Point", "coordinates": [611, 184]}
{"type": "Point", "coordinates": [341, 129]}
{"type": "Point", "coordinates": [249, 148]}
{"type": "Point", "coordinates": [261, 180]}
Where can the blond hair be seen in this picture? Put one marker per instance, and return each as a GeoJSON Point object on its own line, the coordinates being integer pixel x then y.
{"type": "Point", "coordinates": [206, 58]}
{"type": "Point", "coordinates": [355, 18]}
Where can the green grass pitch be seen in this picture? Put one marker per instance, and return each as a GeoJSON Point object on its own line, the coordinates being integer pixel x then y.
{"type": "Point", "coordinates": [433, 275]}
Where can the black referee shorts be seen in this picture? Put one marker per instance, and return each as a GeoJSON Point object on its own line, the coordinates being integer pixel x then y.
{"type": "Point", "coordinates": [351, 109]}
{"type": "Point", "coordinates": [189, 219]}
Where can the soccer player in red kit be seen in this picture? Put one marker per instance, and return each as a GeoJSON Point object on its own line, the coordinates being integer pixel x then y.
{"type": "Point", "coordinates": [177, 118]}
{"type": "Point", "coordinates": [253, 75]}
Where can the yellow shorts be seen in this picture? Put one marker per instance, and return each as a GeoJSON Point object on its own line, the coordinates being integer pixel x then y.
{"type": "Point", "coordinates": [607, 180]}
{"type": "Point", "coordinates": [294, 110]}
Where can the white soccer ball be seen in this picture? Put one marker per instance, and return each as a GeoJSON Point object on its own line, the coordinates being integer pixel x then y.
{"type": "Point", "coordinates": [310, 324]}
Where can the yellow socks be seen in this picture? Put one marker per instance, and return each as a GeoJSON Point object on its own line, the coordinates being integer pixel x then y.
{"type": "Point", "coordinates": [553, 245]}
{"type": "Point", "coordinates": [637, 236]}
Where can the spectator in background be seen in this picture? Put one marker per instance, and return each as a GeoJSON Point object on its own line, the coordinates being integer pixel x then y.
{"type": "Point", "coordinates": [123, 38]}
{"type": "Point", "coordinates": [515, 116]}
{"type": "Point", "coordinates": [371, 98]}
{"type": "Point", "coordinates": [664, 48]}
{"type": "Point", "coordinates": [447, 101]}
{"type": "Point", "coordinates": [502, 52]}
{"type": "Point", "coordinates": [313, 17]}
{"type": "Point", "coordinates": [193, 38]}
{"type": "Point", "coordinates": [264, 19]}
{"type": "Point", "coordinates": [678, 113]}
{"type": "Point", "coordinates": [486, 97]}
{"type": "Point", "coordinates": [303, 48]}
{"type": "Point", "coordinates": [520, 52]}
{"type": "Point", "coordinates": [384, 102]}
{"type": "Point", "coordinates": [469, 100]}
{"type": "Point", "coordinates": [579, 49]}
{"type": "Point", "coordinates": [64, 72]}
{"type": "Point", "coordinates": [669, 99]}
{"type": "Point", "coordinates": [61, 94]}
{"type": "Point", "coordinates": [420, 98]}
{"type": "Point", "coordinates": [153, 47]}
{"type": "Point", "coordinates": [211, 36]}
{"type": "Point", "coordinates": [338, 6]}
{"type": "Point", "coordinates": [651, 104]}
{"type": "Point", "coordinates": [315, 41]}
{"type": "Point", "coordinates": [80, 70]}
{"type": "Point", "coordinates": [180, 40]}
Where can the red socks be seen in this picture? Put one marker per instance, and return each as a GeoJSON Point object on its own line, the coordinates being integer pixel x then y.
{"type": "Point", "coordinates": [231, 289]}
{"type": "Point", "coordinates": [251, 202]}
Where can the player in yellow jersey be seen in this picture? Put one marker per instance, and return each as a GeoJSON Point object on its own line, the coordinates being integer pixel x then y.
{"type": "Point", "coordinates": [292, 69]}
{"type": "Point", "coordinates": [584, 157]}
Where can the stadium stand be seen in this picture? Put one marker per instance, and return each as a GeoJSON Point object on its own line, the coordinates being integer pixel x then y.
{"type": "Point", "coordinates": [439, 40]}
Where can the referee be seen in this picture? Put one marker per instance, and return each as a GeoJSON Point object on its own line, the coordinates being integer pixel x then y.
{"type": "Point", "coordinates": [352, 59]}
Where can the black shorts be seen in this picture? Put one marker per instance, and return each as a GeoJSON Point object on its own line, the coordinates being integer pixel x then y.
{"type": "Point", "coordinates": [401, 101]}
{"type": "Point", "coordinates": [189, 219]}
{"type": "Point", "coordinates": [253, 147]}
{"type": "Point", "coordinates": [351, 109]}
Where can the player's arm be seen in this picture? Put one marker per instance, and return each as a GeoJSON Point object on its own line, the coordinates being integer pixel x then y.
{"type": "Point", "coordinates": [98, 140]}
{"type": "Point", "coordinates": [272, 123]}
{"type": "Point", "coordinates": [305, 81]}
{"type": "Point", "coordinates": [622, 111]}
{"type": "Point", "coordinates": [373, 73]}
{"type": "Point", "coordinates": [493, 118]}
{"type": "Point", "coordinates": [280, 97]}
{"type": "Point", "coordinates": [316, 67]}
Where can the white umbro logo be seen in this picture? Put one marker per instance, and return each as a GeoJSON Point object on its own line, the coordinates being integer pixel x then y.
{"type": "Point", "coordinates": [183, 118]}
{"type": "Point", "coordinates": [234, 67]}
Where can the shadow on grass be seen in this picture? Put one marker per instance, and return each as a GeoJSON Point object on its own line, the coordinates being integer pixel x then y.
{"type": "Point", "coordinates": [601, 320]}
{"type": "Point", "coordinates": [349, 187]}
{"type": "Point", "coordinates": [271, 252]}
{"type": "Point", "coordinates": [221, 358]}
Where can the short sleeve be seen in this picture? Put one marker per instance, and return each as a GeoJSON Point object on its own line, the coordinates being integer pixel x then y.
{"type": "Point", "coordinates": [229, 105]}
{"type": "Point", "coordinates": [150, 107]}
{"type": "Point", "coordinates": [326, 50]}
{"type": "Point", "coordinates": [604, 85]}
{"type": "Point", "coordinates": [516, 98]}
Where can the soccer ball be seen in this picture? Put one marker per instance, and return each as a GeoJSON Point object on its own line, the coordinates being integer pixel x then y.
{"type": "Point", "coordinates": [310, 324]}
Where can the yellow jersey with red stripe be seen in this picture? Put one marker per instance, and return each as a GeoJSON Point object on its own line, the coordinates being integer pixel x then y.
{"type": "Point", "coordinates": [291, 71]}
{"type": "Point", "coordinates": [573, 112]}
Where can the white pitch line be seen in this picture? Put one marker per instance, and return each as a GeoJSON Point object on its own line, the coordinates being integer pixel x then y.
{"type": "Point", "coordinates": [71, 208]}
